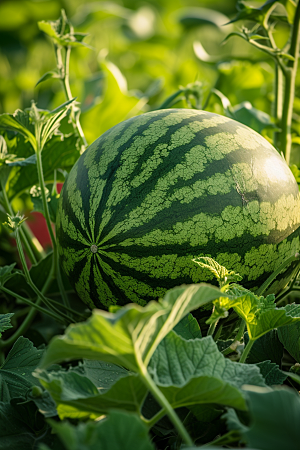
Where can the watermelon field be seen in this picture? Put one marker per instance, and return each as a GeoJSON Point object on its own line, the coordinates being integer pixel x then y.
{"type": "Point", "coordinates": [149, 225]}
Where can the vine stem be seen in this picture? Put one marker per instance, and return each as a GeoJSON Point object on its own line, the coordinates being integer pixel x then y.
{"type": "Point", "coordinates": [31, 283]}
{"type": "Point", "coordinates": [246, 350]}
{"type": "Point", "coordinates": [151, 422]}
{"type": "Point", "coordinates": [237, 338]}
{"type": "Point", "coordinates": [30, 252]}
{"type": "Point", "coordinates": [29, 318]}
{"type": "Point", "coordinates": [56, 267]}
{"type": "Point", "coordinates": [28, 302]}
{"type": "Point", "coordinates": [161, 399]}
{"type": "Point", "coordinates": [289, 90]}
{"type": "Point", "coordinates": [65, 78]}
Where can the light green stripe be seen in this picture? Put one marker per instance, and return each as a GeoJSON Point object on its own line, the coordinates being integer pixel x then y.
{"type": "Point", "coordinates": [75, 201]}
{"type": "Point", "coordinates": [70, 257]}
{"type": "Point", "coordinates": [260, 260]}
{"type": "Point", "coordinates": [194, 161]}
{"type": "Point", "coordinates": [70, 230]}
{"type": "Point", "coordinates": [104, 293]}
{"type": "Point", "coordinates": [254, 218]}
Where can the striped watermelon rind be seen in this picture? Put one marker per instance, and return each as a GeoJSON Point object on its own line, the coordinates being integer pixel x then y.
{"type": "Point", "coordinates": [160, 189]}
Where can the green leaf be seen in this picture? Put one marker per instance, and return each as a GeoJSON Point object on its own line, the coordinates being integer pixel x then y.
{"type": "Point", "coordinates": [62, 32]}
{"type": "Point", "coordinates": [47, 76]}
{"type": "Point", "coordinates": [20, 123]}
{"type": "Point", "coordinates": [130, 336]}
{"type": "Point", "coordinates": [101, 373]}
{"type": "Point", "coordinates": [119, 431]}
{"type": "Point", "coordinates": [220, 272]}
{"type": "Point", "coordinates": [252, 117]}
{"type": "Point", "coordinates": [193, 372]}
{"type": "Point", "coordinates": [57, 154]}
{"type": "Point", "coordinates": [206, 412]}
{"type": "Point", "coordinates": [43, 401]}
{"type": "Point", "coordinates": [23, 162]}
{"type": "Point", "coordinates": [259, 313]}
{"type": "Point", "coordinates": [16, 372]}
{"type": "Point", "coordinates": [8, 272]}
{"type": "Point", "coordinates": [188, 328]}
{"type": "Point", "coordinates": [290, 7]}
{"type": "Point", "coordinates": [275, 420]}
{"type": "Point", "coordinates": [194, 17]}
{"type": "Point", "coordinates": [51, 121]}
{"type": "Point", "coordinates": [251, 13]}
{"type": "Point", "coordinates": [294, 376]}
{"type": "Point", "coordinates": [271, 373]}
{"type": "Point", "coordinates": [77, 397]}
{"type": "Point", "coordinates": [38, 273]}
{"type": "Point", "coordinates": [5, 318]}
{"type": "Point", "coordinates": [116, 104]}
{"type": "Point", "coordinates": [266, 347]}
{"type": "Point", "coordinates": [24, 428]}
{"type": "Point", "coordinates": [289, 336]}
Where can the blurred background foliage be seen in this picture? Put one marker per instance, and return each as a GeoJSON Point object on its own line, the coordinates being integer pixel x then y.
{"type": "Point", "coordinates": [140, 53]}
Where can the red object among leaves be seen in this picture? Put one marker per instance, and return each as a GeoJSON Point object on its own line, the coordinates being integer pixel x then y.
{"type": "Point", "coordinates": [38, 226]}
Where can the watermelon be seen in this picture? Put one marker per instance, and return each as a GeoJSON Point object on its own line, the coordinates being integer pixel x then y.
{"type": "Point", "coordinates": [162, 188]}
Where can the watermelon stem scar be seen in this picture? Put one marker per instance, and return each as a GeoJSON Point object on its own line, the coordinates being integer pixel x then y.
{"type": "Point", "coordinates": [94, 248]}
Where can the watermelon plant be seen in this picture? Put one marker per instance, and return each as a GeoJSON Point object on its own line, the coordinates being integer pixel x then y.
{"type": "Point", "coordinates": [180, 223]}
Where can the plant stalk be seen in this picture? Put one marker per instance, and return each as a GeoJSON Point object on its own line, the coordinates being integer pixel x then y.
{"type": "Point", "coordinates": [246, 350]}
{"type": "Point", "coordinates": [31, 283]}
{"type": "Point", "coordinates": [289, 90]}
{"type": "Point", "coordinates": [237, 338]}
{"type": "Point", "coordinates": [56, 267]}
{"type": "Point", "coordinates": [29, 248]}
{"type": "Point", "coordinates": [151, 422]}
{"type": "Point", "coordinates": [161, 399]}
{"type": "Point", "coordinates": [30, 316]}
{"type": "Point", "coordinates": [65, 78]}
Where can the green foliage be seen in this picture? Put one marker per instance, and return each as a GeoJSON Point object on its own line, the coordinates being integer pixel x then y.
{"type": "Point", "coordinates": [16, 372]}
{"type": "Point", "coordinates": [119, 431]}
{"type": "Point", "coordinates": [180, 372]}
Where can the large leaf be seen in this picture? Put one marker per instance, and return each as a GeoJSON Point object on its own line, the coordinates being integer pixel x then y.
{"type": "Point", "coordinates": [290, 337]}
{"type": "Point", "coordinates": [275, 419]}
{"type": "Point", "coordinates": [271, 373]}
{"type": "Point", "coordinates": [188, 328]}
{"type": "Point", "coordinates": [57, 154]}
{"type": "Point", "coordinates": [117, 104]}
{"type": "Point", "coordinates": [16, 372]}
{"type": "Point", "coordinates": [193, 372]}
{"type": "Point", "coordinates": [77, 397]}
{"type": "Point", "coordinates": [19, 122]}
{"type": "Point", "coordinates": [130, 336]}
{"type": "Point", "coordinates": [266, 347]}
{"type": "Point", "coordinates": [119, 431]}
{"type": "Point", "coordinates": [102, 374]}
{"type": "Point", "coordinates": [24, 428]}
